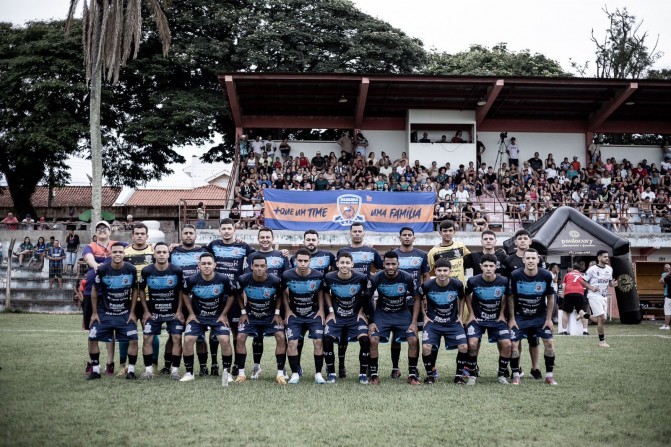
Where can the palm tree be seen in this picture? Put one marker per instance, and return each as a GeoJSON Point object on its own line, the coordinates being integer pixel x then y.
{"type": "Point", "coordinates": [112, 29]}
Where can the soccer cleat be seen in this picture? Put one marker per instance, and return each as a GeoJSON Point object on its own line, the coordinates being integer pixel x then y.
{"type": "Point", "coordinates": [89, 368]}
{"type": "Point", "coordinates": [331, 378]}
{"type": "Point", "coordinates": [342, 373]}
{"type": "Point", "coordinates": [459, 380]}
{"type": "Point", "coordinates": [123, 370]}
{"type": "Point", "coordinates": [435, 373]}
{"type": "Point", "coordinates": [280, 380]}
{"type": "Point", "coordinates": [174, 375]}
{"type": "Point", "coordinates": [146, 375]}
{"type": "Point", "coordinates": [563, 333]}
{"type": "Point", "coordinates": [295, 378]}
{"type": "Point", "coordinates": [412, 380]}
{"type": "Point", "coordinates": [429, 380]}
{"type": "Point", "coordinates": [214, 371]}
{"type": "Point", "coordinates": [516, 380]}
{"type": "Point", "coordinates": [94, 375]}
{"type": "Point", "coordinates": [550, 381]}
{"type": "Point", "coordinates": [603, 344]}
{"type": "Point", "coordinates": [131, 376]}
{"type": "Point", "coordinates": [585, 332]}
{"type": "Point", "coordinates": [234, 370]}
{"type": "Point", "coordinates": [319, 379]}
{"type": "Point", "coordinates": [536, 374]}
{"type": "Point", "coordinates": [188, 377]}
{"type": "Point", "coordinates": [395, 373]}
{"type": "Point", "coordinates": [502, 380]}
{"type": "Point", "coordinates": [240, 378]}
{"type": "Point", "coordinates": [363, 379]}
{"type": "Point", "coordinates": [256, 372]}
{"type": "Point", "coordinates": [300, 371]}
{"type": "Point", "coordinates": [665, 328]}
{"type": "Point", "coordinates": [375, 380]}
{"type": "Point", "coordinates": [165, 371]}
{"type": "Point", "coordinates": [203, 370]}
{"type": "Point", "coordinates": [109, 369]}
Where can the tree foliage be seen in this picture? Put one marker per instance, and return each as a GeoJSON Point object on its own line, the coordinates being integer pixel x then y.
{"type": "Point", "coordinates": [498, 61]}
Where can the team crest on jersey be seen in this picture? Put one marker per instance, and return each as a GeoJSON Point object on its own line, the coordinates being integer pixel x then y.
{"type": "Point", "coordinates": [538, 288]}
{"type": "Point", "coordinates": [312, 286]}
{"type": "Point", "coordinates": [170, 281]}
{"type": "Point", "coordinates": [349, 207]}
{"type": "Point", "coordinates": [415, 261]}
{"type": "Point", "coordinates": [266, 293]}
{"type": "Point", "coordinates": [353, 290]}
{"type": "Point", "coordinates": [497, 292]}
{"type": "Point", "coordinates": [215, 290]}
{"type": "Point", "coordinates": [400, 288]}
{"type": "Point", "coordinates": [126, 281]}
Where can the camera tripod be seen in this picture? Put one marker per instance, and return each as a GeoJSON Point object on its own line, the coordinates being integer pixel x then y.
{"type": "Point", "coordinates": [503, 149]}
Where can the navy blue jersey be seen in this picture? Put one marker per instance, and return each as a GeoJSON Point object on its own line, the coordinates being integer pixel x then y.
{"type": "Point", "coordinates": [208, 297]}
{"type": "Point", "coordinates": [117, 287]}
{"type": "Point", "coordinates": [442, 302]}
{"type": "Point", "coordinates": [414, 262]}
{"type": "Point", "coordinates": [529, 292]}
{"type": "Point", "coordinates": [163, 288]}
{"type": "Point", "coordinates": [473, 260]}
{"type": "Point", "coordinates": [364, 258]}
{"type": "Point", "coordinates": [514, 262]}
{"type": "Point", "coordinates": [187, 259]}
{"type": "Point", "coordinates": [277, 263]}
{"type": "Point", "coordinates": [487, 296]}
{"type": "Point", "coordinates": [303, 291]}
{"type": "Point", "coordinates": [394, 294]}
{"type": "Point", "coordinates": [321, 260]}
{"type": "Point", "coordinates": [230, 257]}
{"type": "Point", "coordinates": [262, 296]}
{"type": "Point", "coordinates": [347, 295]}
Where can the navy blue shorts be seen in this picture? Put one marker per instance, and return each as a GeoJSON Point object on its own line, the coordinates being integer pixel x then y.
{"type": "Point", "coordinates": [530, 327]}
{"type": "Point", "coordinates": [398, 322]}
{"type": "Point", "coordinates": [297, 326]}
{"type": "Point", "coordinates": [153, 327]}
{"type": "Point", "coordinates": [453, 333]}
{"type": "Point", "coordinates": [260, 327]}
{"type": "Point", "coordinates": [203, 324]}
{"type": "Point", "coordinates": [496, 330]}
{"type": "Point", "coordinates": [353, 328]}
{"type": "Point", "coordinates": [113, 325]}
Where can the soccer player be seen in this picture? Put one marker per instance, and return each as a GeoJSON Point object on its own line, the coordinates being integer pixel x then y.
{"type": "Point", "coordinates": [414, 261]}
{"type": "Point", "coordinates": [366, 260]}
{"type": "Point", "coordinates": [207, 297]}
{"type": "Point", "coordinates": [304, 310]}
{"type": "Point", "coordinates": [599, 277]}
{"type": "Point", "coordinates": [276, 263]}
{"type": "Point", "coordinates": [260, 300]}
{"type": "Point", "coordinates": [486, 299]}
{"type": "Point", "coordinates": [574, 290]}
{"type": "Point", "coordinates": [346, 319]}
{"type": "Point", "coordinates": [114, 315]}
{"type": "Point", "coordinates": [230, 256]}
{"type": "Point", "coordinates": [474, 260]}
{"type": "Point", "coordinates": [449, 249]}
{"type": "Point", "coordinates": [395, 289]}
{"type": "Point", "coordinates": [162, 281]}
{"type": "Point", "coordinates": [443, 298]}
{"type": "Point", "coordinates": [186, 256]}
{"type": "Point", "coordinates": [531, 312]}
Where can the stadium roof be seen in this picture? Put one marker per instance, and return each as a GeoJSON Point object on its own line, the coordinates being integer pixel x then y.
{"type": "Point", "coordinates": [287, 100]}
{"type": "Point", "coordinates": [210, 195]}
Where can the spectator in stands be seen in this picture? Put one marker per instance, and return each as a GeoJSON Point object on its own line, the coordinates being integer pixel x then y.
{"type": "Point", "coordinates": [479, 222]}
{"type": "Point", "coordinates": [594, 150]}
{"type": "Point", "coordinates": [321, 184]}
{"type": "Point", "coordinates": [72, 248]}
{"type": "Point", "coordinates": [257, 145]}
{"type": "Point", "coordinates": [360, 144]}
{"type": "Point", "coordinates": [425, 138]}
{"type": "Point", "coordinates": [665, 222]}
{"type": "Point", "coordinates": [11, 222]}
{"type": "Point", "coordinates": [285, 149]}
{"type": "Point", "coordinates": [457, 137]}
{"type": "Point", "coordinates": [27, 222]}
{"type": "Point", "coordinates": [536, 163]}
{"type": "Point", "coordinates": [303, 161]}
{"type": "Point", "coordinates": [645, 211]}
{"type": "Point", "coordinates": [318, 161]}
{"type": "Point", "coordinates": [513, 152]}
{"type": "Point", "coordinates": [346, 143]}
{"type": "Point", "coordinates": [55, 255]}
{"type": "Point", "coordinates": [243, 147]}
{"type": "Point", "coordinates": [39, 252]}
{"type": "Point", "coordinates": [201, 216]}
{"type": "Point", "coordinates": [235, 215]}
{"type": "Point", "coordinates": [26, 248]}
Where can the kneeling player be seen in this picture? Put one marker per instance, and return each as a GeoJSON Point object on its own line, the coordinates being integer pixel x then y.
{"type": "Point", "coordinates": [346, 319]}
{"type": "Point", "coordinates": [163, 281]}
{"type": "Point", "coordinates": [486, 300]}
{"type": "Point", "coordinates": [260, 304]}
{"type": "Point", "coordinates": [443, 298]}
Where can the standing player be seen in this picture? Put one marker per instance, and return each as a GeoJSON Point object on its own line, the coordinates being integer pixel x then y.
{"type": "Point", "coordinates": [414, 261]}
{"type": "Point", "coordinates": [486, 298]}
{"type": "Point", "coordinates": [260, 301]}
{"type": "Point", "coordinates": [162, 281]}
{"type": "Point", "coordinates": [531, 311]}
{"type": "Point", "coordinates": [276, 264]}
{"type": "Point", "coordinates": [395, 289]}
{"type": "Point", "coordinates": [207, 297]}
{"type": "Point", "coordinates": [186, 257]}
{"type": "Point", "coordinates": [574, 290]}
{"type": "Point", "coordinates": [474, 260]}
{"type": "Point", "coordinates": [304, 310]}
{"type": "Point", "coordinates": [346, 321]}
{"type": "Point", "coordinates": [230, 256]}
{"type": "Point", "coordinates": [599, 277]}
{"type": "Point", "coordinates": [365, 259]}
{"type": "Point", "coordinates": [114, 315]}
{"type": "Point", "coordinates": [449, 249]}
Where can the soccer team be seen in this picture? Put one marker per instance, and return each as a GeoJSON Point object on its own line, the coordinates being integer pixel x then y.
{"type": "Point", "coordinates": [228, 291]}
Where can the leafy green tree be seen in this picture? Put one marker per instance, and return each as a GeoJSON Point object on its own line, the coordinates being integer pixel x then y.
{"type": "Point", "coordinates": [498, 61]}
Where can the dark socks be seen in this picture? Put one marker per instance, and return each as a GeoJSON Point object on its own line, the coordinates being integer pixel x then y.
{"type": "Point", "coordinates": [395, 354]}
{"type": "Point", "coordinates": [226, 361]}
{"type": "Point", "coordinates": [342, 350]}
{"type": "Point", "coordinates": [294, 363]}
{"type": "Point", "coordinates": [329, 357]}
{"type": "Point", "coordinates": [257, 349]}
{"type": "Point", "coordinates": [428, 363]}
{"type": "Point", "coordinates": [461, 362]}
{"type": "Point", "coordinates": [240, 360]}
{"type": "Point", "coordinates": [147, 359]}
{"type": "Point", "coordinates": [177, 360]}
{"type": "Point", "coordinates": [319, 363]}
{"type": "Point", "coordinates": [372, 366]}
{"type": "Point", "coordinates": [515, 365]}
{"type": "Point", "coordinates": [503, 365]}
{"type": "Point", "coordinates": [281, 360]}
{"type": "Point", "coordinates": [549, 363]}
{"type": "Point", "coordinates": [156, 348]}
{"type": "Point", "coordinates": [412, 366]}
{"type": "Point", "coordinates": [364, 354]}
{"type": "Point", "coordinates": [123, 351]}
{"type": "Point", "coordinates": [132, 359]}
{"type": "Point", "coordinates": [188, 363]}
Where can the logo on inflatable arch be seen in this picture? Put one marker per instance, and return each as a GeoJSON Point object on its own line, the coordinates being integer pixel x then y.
{"type": "Point", "coordinates": [625, 283]}
{"type": "Point", "coordinates": [349, 209]}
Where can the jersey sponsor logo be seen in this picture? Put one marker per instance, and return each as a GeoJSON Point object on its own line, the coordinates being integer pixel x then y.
{"type": "Point", "coordinates": [349, 208]}
{"type": "Point", "coordinates": [504, 332]}
{"type": "Point", "coordinates": [162, 282]}
{"type": "Point", "coordinates": [133, 332]}
{"type": "Point", "coordinates": [460, 336]}
{"type": "Point", "coordinates": [117, 281]}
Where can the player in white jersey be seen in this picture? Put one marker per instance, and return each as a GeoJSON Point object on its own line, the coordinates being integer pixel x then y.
{"type": "Point", "coordinates": [599, 277]}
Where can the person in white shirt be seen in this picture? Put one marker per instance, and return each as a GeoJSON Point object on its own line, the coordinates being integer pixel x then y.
{"type": "Point", "coordinates": [513, 153]}
{"type": "Point", "coordinates": [257, 145]}
{"type": "Point", "coordinates": [648, 193]}
{"type": "Point", "coordinates": [462, 195]}
{"type": "Point", "coordinates": [599, 277]}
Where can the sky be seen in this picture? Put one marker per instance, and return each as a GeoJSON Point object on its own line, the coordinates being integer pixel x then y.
{"type": "Point", "coordinates": [559, 30]}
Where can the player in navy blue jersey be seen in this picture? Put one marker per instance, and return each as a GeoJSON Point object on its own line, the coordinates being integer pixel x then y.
{"type": "Point", "coordinates": [531, 311]}
{"type": "Point", "coordinates": [346, 320]}
{"type": "Point", "coordinates": [486, 298]}
{"type": "Point", "coordinates": [230, 256]}
{"type": "Point", "coordinates": [443, 299]}
{"type": "Point", "coordinates": [163, 282]}
{"type": "Point", "coordinates": [113, 311]}
{"type": "Point", "coordinates": [395, 289]}
{"type": "Point", "coordinates": [207, 297]}
{"type": "Point", "coordinates": [276, 262]}
{"type": "Point", "coordinates": [366, 260]}
{"type": "Point", "coordinates": [474, 259]}
{"type": "Point", "coordinates": [260, 299]}
{"type": "Point", "coordinates": [304, 310]}
{"type": "Point", "coordinates": [414, 261]}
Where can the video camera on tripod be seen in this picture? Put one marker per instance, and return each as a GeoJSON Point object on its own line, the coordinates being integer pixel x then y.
{"type": "Point", "coordinates": [503, 136]}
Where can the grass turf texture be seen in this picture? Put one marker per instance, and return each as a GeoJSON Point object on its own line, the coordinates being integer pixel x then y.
{"type": "Point", "coordinates": [616, 396]}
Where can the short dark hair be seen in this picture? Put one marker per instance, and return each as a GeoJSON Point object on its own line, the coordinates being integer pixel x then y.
{"type": "Point", "coordinates": [442, 262]}
{"type": "Point", "coordinates": [161, 243]}
{"type": "Point", "coordinates": [345, 254]}
{"type": "Point", "coordinates": [206, 255]}
{"type": "Point", "coordinates": [226, 221]}
{"type": "Point", "coordinates": [310, 232]}
{"type": "Point", "coordinates": [446, 225]}
{"type": "Point", "coordinates": [488, 232]}
{"type": "Point", "coordinates": [488, 257]}
{"type": "Point", "coordinates": [356, 224]}
{"type": "Point", "coordinates": [521, 233]}
{"type": "Point", "coordinates": [391, 254]}
{"type": "Point", "coordinates": [303, 251]}
{"type": "Point", "coordinates": [531, 250]}
{"type": "Point", "coordinates": [260, 258]}
{"type": "Point", "coordinates": [189, 226]}
{"type": "Point", "coordinates": [117, 244]}
{"type": "Point", "coordinates": [268, 230]}
{"type": "Point", "coordinates": [600, 252]}
{"type": "Point", "coordinates": [406, 229]}
{"type": "Point", "coordinates": [140, 225]}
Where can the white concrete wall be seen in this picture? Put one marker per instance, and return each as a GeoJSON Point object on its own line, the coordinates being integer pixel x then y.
{"type": "Point", "coordinates": [441, 116]}
{"type": "Point", "coordinates": [392, 142]}
{"type": "Point", "coordinates": [633, 153]}
{"type": "Point", "coordinates": [456, 154]}
{"type": "Point", "coordinates": [560, 145]}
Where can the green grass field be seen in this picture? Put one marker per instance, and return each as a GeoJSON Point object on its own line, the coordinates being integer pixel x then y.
{"type": "Point", "coordinates": [616, 396]}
